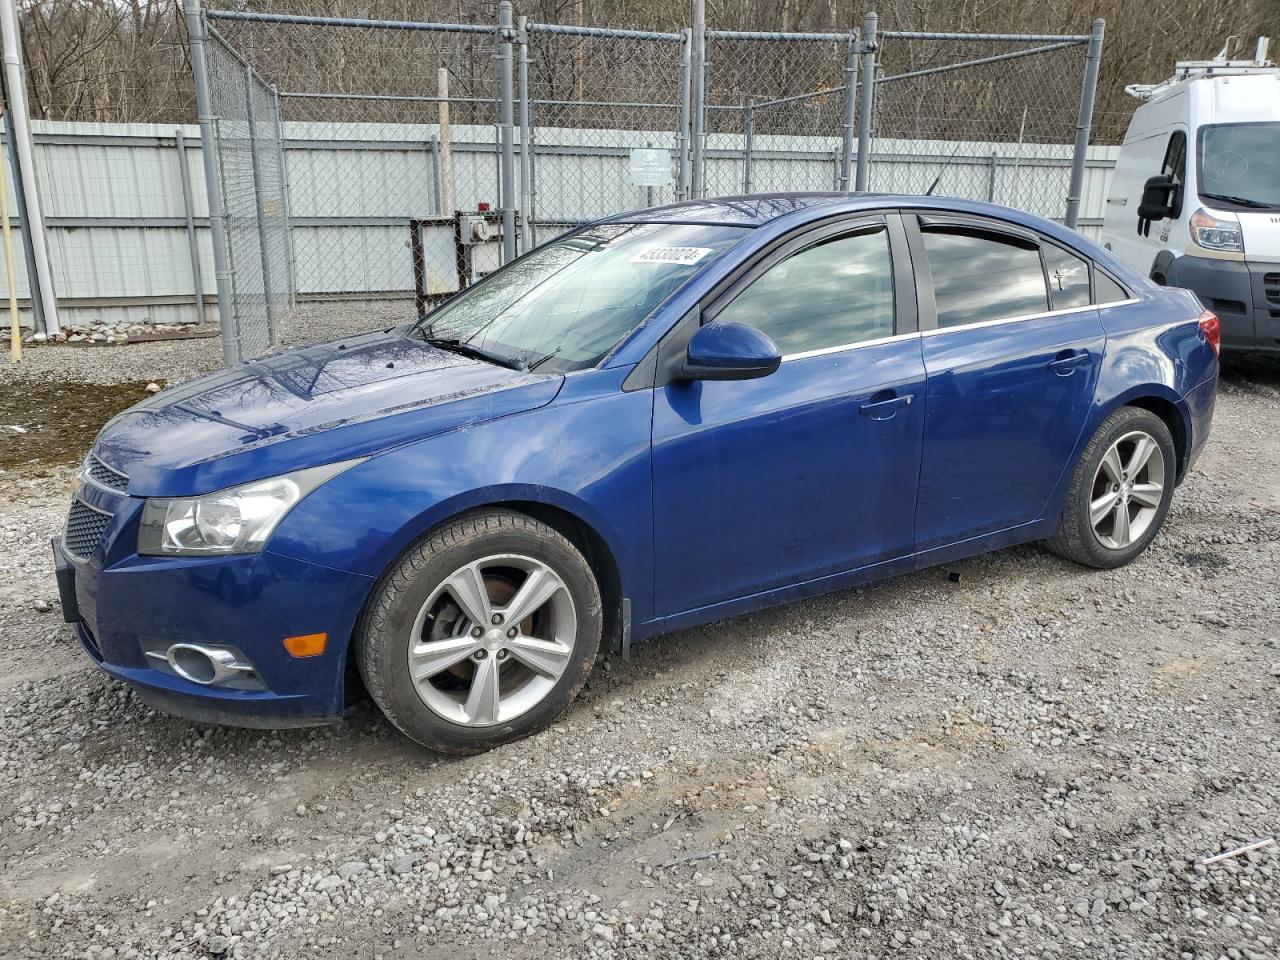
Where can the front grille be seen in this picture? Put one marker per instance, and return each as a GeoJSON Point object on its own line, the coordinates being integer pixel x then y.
{"type": "Point", "coordinates": [1271, 283]}
{"type": "Point", "coordinates": [105, 476]}
{"type": "Point", "coordinates": [85, 527]}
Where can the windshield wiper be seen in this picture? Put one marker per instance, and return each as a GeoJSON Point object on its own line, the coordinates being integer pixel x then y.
{"type": "Point", "coordinates": [1239, 201]}
{"type": "Point", "coordinates": [456, 345]}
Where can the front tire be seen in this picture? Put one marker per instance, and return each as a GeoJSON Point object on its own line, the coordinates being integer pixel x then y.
{"type": "Point", "coordinates": [483, 633]}
{"type": "Point", "coordinates": [1120, 491]}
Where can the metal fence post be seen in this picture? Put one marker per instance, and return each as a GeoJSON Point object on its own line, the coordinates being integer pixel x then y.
{"type": "Point", "coordinates": [527, 241]}
{"type": "Point", "coordinates": [213, 186]}
{"type": "Point", "coordinates": [683, 120]}
{"type": "Point", "coordinates": [25, 170]}
{"type": "Point", "coordinates": [291, 261]}
{"type": "Point", "coordinates": [506, 158]}
{"type": "Point", "coordinates": [1085, 123]}
{"type": "Point", "coordinates": [697, 180]}
{"type": "Point", "coordinates": [28, 251]}
{"type": "Point", "coordinates": [867, 107]}
{"type": "Point", "coordinates": [267, 286]}
{"type": "Point", "coordinates": [188, 207]}
{"type": "Point", "coordinates": [850, 109]}
{"type": "Point", "coordinates": [748, 135]}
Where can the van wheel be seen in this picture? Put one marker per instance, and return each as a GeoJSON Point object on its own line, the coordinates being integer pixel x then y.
{"type": "Point", "coordinates": [1120, 491]}
{"type": "Point", "coordinates": [483, 633]}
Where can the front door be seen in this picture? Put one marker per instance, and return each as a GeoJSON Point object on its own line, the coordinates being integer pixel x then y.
{"type": "Point", "coordinates": [1011, 375]}
{"type": "Point", "coordinates": [811, 470]}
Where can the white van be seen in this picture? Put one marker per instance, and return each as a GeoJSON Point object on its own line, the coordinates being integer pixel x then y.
{"type": "Point", "coordinates": [1195, 199]}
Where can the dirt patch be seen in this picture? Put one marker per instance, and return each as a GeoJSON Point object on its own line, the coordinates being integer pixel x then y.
{"type": "Point", "coordinates": [51, 424]}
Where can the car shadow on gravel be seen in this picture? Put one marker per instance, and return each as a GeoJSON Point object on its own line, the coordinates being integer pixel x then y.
{"type": "Point", "coordinates": [1250, 371]}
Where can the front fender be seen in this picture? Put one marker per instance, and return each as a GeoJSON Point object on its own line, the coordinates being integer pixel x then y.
{"type": "Point", "coordinates": [587, 453]}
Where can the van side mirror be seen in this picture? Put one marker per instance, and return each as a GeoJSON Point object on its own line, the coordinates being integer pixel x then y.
{"type": "Point", "coordinates": [729, 351]}
{"type": "Point", "coordinates": [1161, 198]}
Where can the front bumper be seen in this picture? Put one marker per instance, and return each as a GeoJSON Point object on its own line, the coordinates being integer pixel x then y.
{"type": "Point", "coordinates": [1244, 294]}
{"type": "Point", "coordinates": [122, 604]}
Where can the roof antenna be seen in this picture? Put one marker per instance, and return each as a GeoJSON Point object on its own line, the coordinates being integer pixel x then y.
{"type": "Point", "coordinates": [933, 186]}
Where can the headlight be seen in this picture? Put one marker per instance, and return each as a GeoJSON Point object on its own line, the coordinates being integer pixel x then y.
{"type": "Point", "coordinates": [235, 520]}
{"type": "Point", "coordinates": [1216, 233]}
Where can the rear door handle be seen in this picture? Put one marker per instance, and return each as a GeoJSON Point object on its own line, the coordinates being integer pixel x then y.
{"type": "Point", "coordinates": [885, 409]}
{"type": "Point", "coordinates": [1065, 363]}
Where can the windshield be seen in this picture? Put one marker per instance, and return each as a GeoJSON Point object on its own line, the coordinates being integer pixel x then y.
{"type": "Point", "coordinates": [1240, 165]}
{"type": "Point", "coordinates": [567, 304]}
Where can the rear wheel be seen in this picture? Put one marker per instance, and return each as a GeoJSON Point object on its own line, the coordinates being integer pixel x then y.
{"type": "Point", "coordinates": [484, 632]}
{"type": "Point", "coordinates": [1120, 491]}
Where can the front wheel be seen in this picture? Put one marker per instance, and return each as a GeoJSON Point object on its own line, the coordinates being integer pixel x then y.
{"type": "Point", "coordinates": [483, 633]}
{"type": "Point", "coordinates": [1120, 491]}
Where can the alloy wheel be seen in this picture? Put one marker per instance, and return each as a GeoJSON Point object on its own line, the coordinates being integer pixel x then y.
{"type": "Point", "coordinates": [492, 640]}
{"type": "Point", "coordinates": [1127, 490]}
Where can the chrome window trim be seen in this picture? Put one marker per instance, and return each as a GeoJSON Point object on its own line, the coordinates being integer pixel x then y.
{"type": "Point", "coordinates": [1026, 316]}
{"type": "Point", "coordinates": [855, 345]}
{"type": "Point", "coordinates": [859, 344]}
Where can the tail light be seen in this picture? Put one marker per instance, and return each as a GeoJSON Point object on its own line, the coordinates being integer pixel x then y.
{"type": "Point", "coordinates": [1211, 327]}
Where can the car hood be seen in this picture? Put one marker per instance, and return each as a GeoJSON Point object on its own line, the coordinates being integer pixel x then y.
{"type": "Point", "coordinates": [304, 407]}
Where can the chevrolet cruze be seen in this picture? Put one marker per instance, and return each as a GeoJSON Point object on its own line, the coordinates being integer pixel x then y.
{"type": "Point", "coordinates": [654, 421]}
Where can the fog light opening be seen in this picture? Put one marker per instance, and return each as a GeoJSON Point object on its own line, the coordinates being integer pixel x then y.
{"type": "Point", "coordinates": [192, 663]}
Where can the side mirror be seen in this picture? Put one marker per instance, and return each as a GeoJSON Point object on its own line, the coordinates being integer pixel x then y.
{"type": "Point", "coordinates": [729, 351]}
{"type": "Point", "coordinates": [1159, 199]}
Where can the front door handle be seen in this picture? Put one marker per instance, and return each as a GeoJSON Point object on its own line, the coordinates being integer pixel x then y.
{"type": "Point", "coordinates": [1065, 363]}
{"type": "Point", "coordinates": [885, 408]}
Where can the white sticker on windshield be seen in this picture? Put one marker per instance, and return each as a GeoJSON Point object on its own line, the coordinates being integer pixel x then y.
{"type": "Point", "coordinates": [677, 255]}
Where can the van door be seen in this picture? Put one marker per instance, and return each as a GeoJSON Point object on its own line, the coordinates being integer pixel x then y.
{"type": "Point", "coordinates": [1139, 246]}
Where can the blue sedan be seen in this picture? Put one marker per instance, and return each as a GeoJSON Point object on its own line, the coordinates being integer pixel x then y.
{"type": "Point", "coordinates": [655, 421]}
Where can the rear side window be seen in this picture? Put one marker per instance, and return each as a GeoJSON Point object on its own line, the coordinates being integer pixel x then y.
{"type": "Point", "coordinates": [1106, 290]}
{"type": "Point", "coordinates": [837, 292]}
{"type": "Point", "coordinates": [982, 277]}
{"type": "Point", "coordinates": [1068, 278]}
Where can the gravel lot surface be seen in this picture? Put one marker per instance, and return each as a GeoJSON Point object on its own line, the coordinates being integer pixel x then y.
{"type": "Point", "coordinates": [1009, 757]}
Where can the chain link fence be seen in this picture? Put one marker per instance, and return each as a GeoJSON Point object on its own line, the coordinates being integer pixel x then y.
{"type": "Point", "coordinates": [777, 109]}
{"type": "Point", "coordinates": [252, 180]}
{"type": "Point", "coordinates": [987, 119]}
{"type": "Point", "coordinates": [602, 116]}
{"type": "Point", "coordinates": [394, 163]}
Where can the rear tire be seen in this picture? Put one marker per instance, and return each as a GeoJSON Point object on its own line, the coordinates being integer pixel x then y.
{"type": "Point", "coordinates": [483, 633]}
{"type": "Point", "coordinates": [1119, 492]}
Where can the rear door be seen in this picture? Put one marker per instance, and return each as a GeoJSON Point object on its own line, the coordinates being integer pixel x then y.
{"type": "Point", "coordinates": [811, 470]}
{"type": "Point", "coordinates": [1010, 373]}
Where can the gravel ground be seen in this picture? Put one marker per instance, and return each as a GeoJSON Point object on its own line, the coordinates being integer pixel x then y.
{"type": "Point", "coordinates": [1011, 757]}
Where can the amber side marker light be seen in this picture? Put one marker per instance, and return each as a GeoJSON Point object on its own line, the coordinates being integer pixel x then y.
{"type": "Point", "coordinates": [307, 645]}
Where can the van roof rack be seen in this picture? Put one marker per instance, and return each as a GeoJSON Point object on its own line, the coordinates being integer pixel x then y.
{"type": "Point", "coordinates": [1220, 66]}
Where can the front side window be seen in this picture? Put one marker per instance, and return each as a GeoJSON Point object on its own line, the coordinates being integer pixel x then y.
{"type": "Point", "coordinates": [981, 277]}
{"type": "Point", "coordinates": [1240, 165]}
{"type": "Point", "coordinates": [1068, 278]}
{"type": "Point", "coordinates": [1175, 157]}
{"type": "Point", "coordinates": [837, 292]}
{"type": "Point", "coordinates": [565, 305]}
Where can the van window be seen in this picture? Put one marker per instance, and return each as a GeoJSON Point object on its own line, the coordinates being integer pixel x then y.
{"type": "Point", "coordinates": [1068, 278]}
{"type": "Point", "coordinates": [1239, 169]}
{"type": "Point", "coordinates": [1175, 157]}
{"type": "Point", "coordinates": [1175, 166]}
{"type": "Point", "coordinates": [980, 277]}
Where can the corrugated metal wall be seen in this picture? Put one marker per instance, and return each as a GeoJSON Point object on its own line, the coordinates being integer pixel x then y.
{"type": "Point", "coordinates": [118, 238]}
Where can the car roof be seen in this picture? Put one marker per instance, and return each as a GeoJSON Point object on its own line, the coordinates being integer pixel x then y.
{"type": "Point", "coordinates": [757, 210]}
{"type": "Point", "coordinates": [794, 209]}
